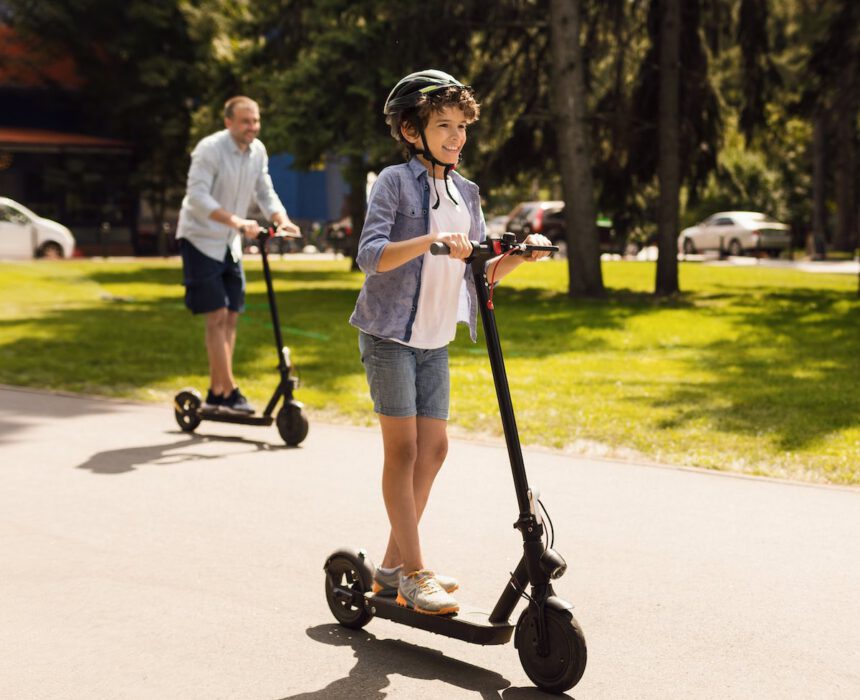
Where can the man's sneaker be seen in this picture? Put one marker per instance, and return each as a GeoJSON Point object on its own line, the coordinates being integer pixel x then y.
{"type": "Point", "coordinates": [385, 583]}
{"type": "Point", "coordinates": [236, 403]}
{"type": "Point", "coordinates": [421, 591]}
{"type": "Point", "coordinates": [212, 403]}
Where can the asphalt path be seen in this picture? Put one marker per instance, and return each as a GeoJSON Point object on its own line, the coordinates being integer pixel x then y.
{"type": "Point", "coordinates": [137, 561]}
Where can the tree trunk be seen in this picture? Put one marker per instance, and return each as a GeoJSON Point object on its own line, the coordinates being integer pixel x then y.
{"type": "Point", "coordinates": [668, 169]}
{"type": "Point", "coordinates": [356, 176]}
{"type": "Point", "coordinates": [569, 116]}
{"type": "Point", "coordinates": [845, 170]}
{"type": "Point", "coordinates": [159, 210]}
{"type": "Point", "coordinates": [819, 212]}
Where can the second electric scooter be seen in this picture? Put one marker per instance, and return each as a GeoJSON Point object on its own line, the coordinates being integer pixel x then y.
{"type": "Point", "coordinates": [549, 641]}
{"type": "Point", "coordinates": [291, 420]}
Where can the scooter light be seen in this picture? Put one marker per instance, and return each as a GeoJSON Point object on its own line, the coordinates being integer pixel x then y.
{"type": "Point", "coordinates": [552, 564]}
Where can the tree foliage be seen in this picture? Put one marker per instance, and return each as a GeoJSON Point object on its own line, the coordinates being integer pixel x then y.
{"type": "Point", "coordinates": [766, 90]}
{"type": "Point", "coordinates": [140, 67]}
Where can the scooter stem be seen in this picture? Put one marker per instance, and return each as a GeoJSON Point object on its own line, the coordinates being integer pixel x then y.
{"type": "Point", "coordinates": [500, 379]}
{"type": "Point", "coordinates": [262, 239]}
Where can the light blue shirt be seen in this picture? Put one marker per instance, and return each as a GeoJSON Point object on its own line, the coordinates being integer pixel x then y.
{"type": "Point", "coordinates": [222, 176]}
{"type": "Point", "coordinates": [398, 209]}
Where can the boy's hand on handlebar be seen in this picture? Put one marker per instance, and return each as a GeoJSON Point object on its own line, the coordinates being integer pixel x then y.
{"type": "Point", "coordinates": [537, 239]}
{"type": "Point", "coordinates": [458, 243]}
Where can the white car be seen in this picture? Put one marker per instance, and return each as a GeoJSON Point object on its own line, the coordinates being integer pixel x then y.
{"type": "Point", "coordinates": [735, 233]}
{"type": "Point", "coordinates": [23, 234]}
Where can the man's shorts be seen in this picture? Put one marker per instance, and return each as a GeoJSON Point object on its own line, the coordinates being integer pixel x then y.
{"type": "Point", "coordinates": [405, 381]}
{"type": "Point", "coordinates": [209, 284]}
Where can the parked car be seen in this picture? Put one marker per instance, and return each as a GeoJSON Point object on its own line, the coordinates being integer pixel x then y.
{"type": "Point", "coordinates": [735, 233]}
{"type": "Point", "coordinates": [547, 218]}
{"type": "Point", "coordinates": [544, 217]}
{"type": "Point", "coordinates": [24, 234]}
{"type": "Point", "coordinates": [496, 225]}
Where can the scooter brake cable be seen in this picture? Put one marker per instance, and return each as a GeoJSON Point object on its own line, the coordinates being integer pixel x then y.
{"type": "Point", "coordinates": [493, 277]}
{"type": "Point", "coordinates": [551, 534]}
{"type": "Point", "coordinates": [518, 588]}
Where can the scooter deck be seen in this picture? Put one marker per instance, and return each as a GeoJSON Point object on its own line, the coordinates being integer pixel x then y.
{"type": "Point", "coordinates": [236, 418]}
{"type": "Point", "coordinates": [469, 625]}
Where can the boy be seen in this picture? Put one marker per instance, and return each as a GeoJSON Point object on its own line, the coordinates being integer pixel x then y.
{"type": "Point", "coordinates": [408, 309]}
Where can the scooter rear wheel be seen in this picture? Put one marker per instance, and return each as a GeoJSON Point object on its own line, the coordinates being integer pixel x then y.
{"type": "Point", "coordinates": [186, 408]}
{"type": "Point", "coordinates": [347, 576]}
{"type": "Point", "coordinates": [292, 424]}
{"type": "Point", "coordinates": [562, 667]}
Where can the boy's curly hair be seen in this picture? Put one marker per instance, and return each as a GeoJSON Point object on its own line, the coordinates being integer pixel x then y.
{"type": "Point", "coordinates": [419, 115]}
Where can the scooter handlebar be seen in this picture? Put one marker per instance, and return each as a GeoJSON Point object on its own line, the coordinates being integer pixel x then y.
{"type": "Point", "coordinates": [271, 231]}
{"type": "Point", "coordinates": [439, 248]}
{"type": "Point", "coordinates": [493, 246]}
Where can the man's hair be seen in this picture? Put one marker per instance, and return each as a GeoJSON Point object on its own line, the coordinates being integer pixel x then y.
{"type": "Point", "coordinates": [237, 101]}
{"type": "Point", "coordinates": [419, 115]}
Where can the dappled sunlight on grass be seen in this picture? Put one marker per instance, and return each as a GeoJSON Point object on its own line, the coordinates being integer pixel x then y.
{"type": "Point", "coordinates": [752, 370]}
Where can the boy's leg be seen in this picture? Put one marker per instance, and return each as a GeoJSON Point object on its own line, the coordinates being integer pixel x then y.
{"type": "Point", "coordinates": [400, 440]}
{"type": "Point", "coordinates": [432, 448]}
{"type": "Point", "coordinates": [418, 589]}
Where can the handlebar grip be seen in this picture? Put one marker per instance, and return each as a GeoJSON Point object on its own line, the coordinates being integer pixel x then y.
{"type": "Point", "coordinates": [439, 248]}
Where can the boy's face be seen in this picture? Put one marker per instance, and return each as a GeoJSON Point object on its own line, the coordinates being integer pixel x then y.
{"type": "Point", "coordinates": [445, 133]}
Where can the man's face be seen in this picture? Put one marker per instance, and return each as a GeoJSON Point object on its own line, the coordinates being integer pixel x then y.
{"type": "Point", "coordinates": [245, 123]}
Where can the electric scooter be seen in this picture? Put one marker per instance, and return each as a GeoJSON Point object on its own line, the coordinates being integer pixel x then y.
{"type": "Point", "coordinates": [291, 420]}
{"type": "Point", "coordinates": [548, 638]}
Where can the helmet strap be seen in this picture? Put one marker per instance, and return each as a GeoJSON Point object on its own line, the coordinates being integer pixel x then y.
{"type": "Point", "coordinates": [434, 161]}
{"type": "Point", "coordinates": [448, 169]}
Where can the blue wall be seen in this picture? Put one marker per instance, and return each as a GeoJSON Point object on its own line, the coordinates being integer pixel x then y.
{"type": "Point", "coordinates": [315, 195]}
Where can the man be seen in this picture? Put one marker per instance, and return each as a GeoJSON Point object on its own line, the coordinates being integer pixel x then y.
{"type": "Point", "coordinates": [228, 170]}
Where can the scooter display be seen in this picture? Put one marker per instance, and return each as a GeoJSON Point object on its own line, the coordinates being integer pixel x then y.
{"type": "Point", "coordinates": [549, 640]}
{"type": "Point", "coordinates": [291, 421]}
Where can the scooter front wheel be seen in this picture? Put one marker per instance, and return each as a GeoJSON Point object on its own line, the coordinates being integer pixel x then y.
{"type": "Point", "coordinates": [186, 409]}
{"type": "Point", "coordinates": [561, 667]}
{"type": "Point", "coordinates": [348, 576]}
{"type": "Point", "coordinates": [292, 424]}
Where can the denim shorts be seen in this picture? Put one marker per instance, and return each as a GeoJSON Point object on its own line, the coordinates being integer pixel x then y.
{"type": "Point", "coordinates": [405, 381]}
{"type": "Point", "coordinates": [209, 284]}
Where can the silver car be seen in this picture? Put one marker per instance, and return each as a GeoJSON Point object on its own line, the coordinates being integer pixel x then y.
{"type": "Point", "coordinates": [23, 234]}
{"type": "Point", "coordinates": [735, 233]}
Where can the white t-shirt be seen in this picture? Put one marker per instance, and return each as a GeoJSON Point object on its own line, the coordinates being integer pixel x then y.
{"type": "Point", "coordinates": [443, 300]}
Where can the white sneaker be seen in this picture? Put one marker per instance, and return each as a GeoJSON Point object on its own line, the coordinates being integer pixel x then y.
{"type": "Point", "coordinates": [386, 583]}
{"type": "Point", "coordinates": [421, 591]}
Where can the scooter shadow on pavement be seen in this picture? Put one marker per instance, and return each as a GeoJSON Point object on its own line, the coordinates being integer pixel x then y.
{"type": "Point", "coordinates": [377, 659]}
{"type": "Point", "coordinates": [126, 459]}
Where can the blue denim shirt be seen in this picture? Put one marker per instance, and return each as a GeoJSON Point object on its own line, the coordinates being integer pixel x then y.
{"type": "Point", "coordinates": [399, 209]}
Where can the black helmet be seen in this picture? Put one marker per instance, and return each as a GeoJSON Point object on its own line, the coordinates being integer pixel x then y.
{"type": "Point", "coordinates": [407, 92]}
{"type": "Point", "coordinates": [406, 95]}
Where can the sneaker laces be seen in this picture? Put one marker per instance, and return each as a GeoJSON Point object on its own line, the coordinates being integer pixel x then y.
{"type": "Point", "coordinates": [426, 582]}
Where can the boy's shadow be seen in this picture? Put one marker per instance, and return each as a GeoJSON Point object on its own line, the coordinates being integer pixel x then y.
{"type": "Point", "coordinates": [379, 658]}
{"type": "Point", "coordinates": [126, 459]}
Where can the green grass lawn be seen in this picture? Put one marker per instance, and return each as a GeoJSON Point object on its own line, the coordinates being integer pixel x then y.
{"type": "Point", "coordinates": [750, 370]}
